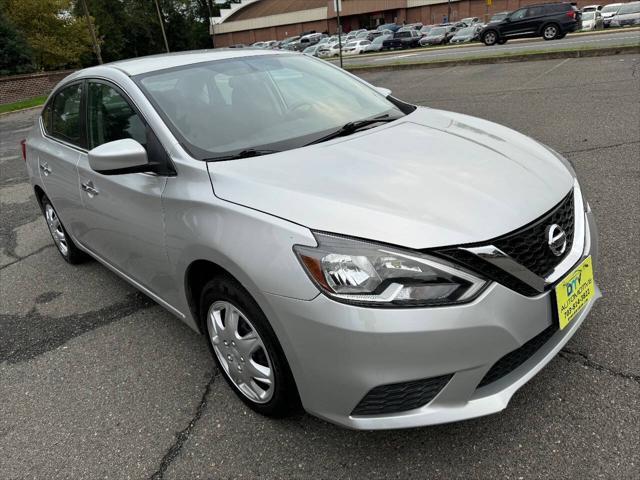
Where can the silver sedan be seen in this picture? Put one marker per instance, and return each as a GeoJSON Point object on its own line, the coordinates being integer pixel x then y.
{"type": "Point", "coordinates": [379, 264]}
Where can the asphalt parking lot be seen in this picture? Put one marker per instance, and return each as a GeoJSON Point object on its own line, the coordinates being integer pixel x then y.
{"type": "Point", "coordinates": [96, 381]}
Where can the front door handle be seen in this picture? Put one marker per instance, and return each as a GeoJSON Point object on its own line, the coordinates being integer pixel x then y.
{"type": "Point", "coordinates": [45, 168]}
{"type": "Point", "coordinates": [88, 187]}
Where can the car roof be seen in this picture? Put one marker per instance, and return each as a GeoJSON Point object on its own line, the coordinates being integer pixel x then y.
{"type": "Point", "coordinates": [151, 63]}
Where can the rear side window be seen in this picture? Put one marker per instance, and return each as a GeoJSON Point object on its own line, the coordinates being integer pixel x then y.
{"type": "Point", "coordinates": [110, 117]}
{"type": "Point", "coordinates": [65, 115]}
{"type": "Point", "coordinates": [535, 11]}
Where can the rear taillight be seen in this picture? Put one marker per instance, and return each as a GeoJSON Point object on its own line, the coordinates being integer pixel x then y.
{"type": "Point", "coordinates": [23, 147]}
{"type": "Point", "coordinates": [571, 14]}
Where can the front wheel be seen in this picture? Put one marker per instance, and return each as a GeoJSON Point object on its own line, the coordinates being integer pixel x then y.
{"type": "Point", "coordinates": [550, 32]}
{"type": "Point", "coordinates": [502, 41]}
{"type": "Point", "coordinates": [61, 239]}
{"type": "Point", "coordinates": [490, 38]}
{"type": "Point", "coordinates": [246, 349]}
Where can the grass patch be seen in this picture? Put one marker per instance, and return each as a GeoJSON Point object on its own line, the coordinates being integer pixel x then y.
{"type": "Point", "coordinates": [30, 102]}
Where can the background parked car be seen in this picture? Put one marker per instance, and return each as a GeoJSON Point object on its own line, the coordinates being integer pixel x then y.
{"type": "Point", "coordinates": [470, 21]}
{"type": "Point", "coordinates": [465, 35]}
{"type": "Point", "coordinates": [592, 20]}
{"type": "Point", "coordinates": [355, 47]}
{"type": "Point", "coordinates": [591, 8]}
{"type": "Point", "coordinates": [438, 35]}
{"type": "Point", "coordinates": [551, 21]}
{"type": "Point", "coordinates": [628, 15]}
{"type": "Point", "coordinates": [332, 50]}
{"type": "Point", "coordinates": [608, 11]}
{"type": "Point", "coordinates": [376, 44]}
{"type": "Point", "coordinates": [312, 50]}
{"type": "Point", "coordinates": [402, 39]}
{"type": "Point", "coordinates": [424, 31]}
{"type": "Point", "coordinates": [389, 26]}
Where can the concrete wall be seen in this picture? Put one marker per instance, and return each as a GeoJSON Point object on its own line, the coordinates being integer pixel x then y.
{"type": "Point", "coordinates": [22, 87]}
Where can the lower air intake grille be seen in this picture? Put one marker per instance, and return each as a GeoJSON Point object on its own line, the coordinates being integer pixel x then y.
{"type": "Point", "coordinates": [400, 397]}
{"type": "Point", "coordinates": [514, 359]}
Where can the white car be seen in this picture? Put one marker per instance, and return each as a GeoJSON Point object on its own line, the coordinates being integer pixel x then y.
{"type": "Point", "coordinates": [592, 8]}
{"type": "Point", "coordinates": [355, 47]}
{"type": "Point", "coordinates": [591, 21]}
{"type": "Point", "coordinates": [332, 50]}
{"type": "Point", "coordinates": [609, 11]}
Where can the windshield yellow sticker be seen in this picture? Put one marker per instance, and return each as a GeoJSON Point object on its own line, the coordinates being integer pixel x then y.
{"type": "Point", "coordinates": [574, 292]}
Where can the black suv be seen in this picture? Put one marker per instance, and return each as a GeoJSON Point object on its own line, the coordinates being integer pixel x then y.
{"type": "Point", "coordinates": [550, 21]}
{"type": "Point", "coordinates": [403, 39]}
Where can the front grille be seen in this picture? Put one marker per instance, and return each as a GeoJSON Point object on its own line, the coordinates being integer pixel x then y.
{"type": "Point", "coordinates": [400, 397]}
{"type": "Point", "coordinates": [529, 247]}
{"type": "Point", "coordinates": [514, 359]}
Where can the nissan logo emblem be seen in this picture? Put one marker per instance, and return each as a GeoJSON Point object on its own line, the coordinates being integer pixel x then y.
{"type": "Point", "coordinates": [556, 239]}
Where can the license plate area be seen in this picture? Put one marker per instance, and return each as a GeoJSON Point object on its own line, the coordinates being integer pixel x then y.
{"type": "Point", "coordinates": [573, 292]}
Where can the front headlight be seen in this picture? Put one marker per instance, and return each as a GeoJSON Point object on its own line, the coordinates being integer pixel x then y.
{"type": "Point", "coordinates": [363, 273]}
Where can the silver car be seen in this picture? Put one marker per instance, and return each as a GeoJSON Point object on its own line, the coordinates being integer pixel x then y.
{"type": "Point", "coordinates": [380, 264]}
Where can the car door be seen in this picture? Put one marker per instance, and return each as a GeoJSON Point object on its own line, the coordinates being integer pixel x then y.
{"type": "Point", "coordinates": [517, 24]}
{"type": "Point", "coordinates": [122, 220]}
{"type": "Point", "coordinates": [58, 152]}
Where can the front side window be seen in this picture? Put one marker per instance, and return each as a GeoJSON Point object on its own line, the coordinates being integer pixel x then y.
{"type": "Point", "coordinates": [110, 117]}
{"type": "Point", "coordinates": [275, 102]}
{"type": "Point", "coordinates": [65, 115]}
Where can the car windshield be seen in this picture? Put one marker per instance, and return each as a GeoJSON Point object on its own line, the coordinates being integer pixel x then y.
{"type": "Point", "coordinates": [437, 31]}
{"type": "Point", "coordinates": [465, 31]}
{"type": "Point", "coordinates": [610, 8]}
{"type": "Point", "coordinates": [351, 44]}
{"type": "Point", "coordinates": [380, 39]}
{"type": "Point", "coordinates": [498, 17]}
{"type": "Point", "coordinates": [588, 15]}
{"type": "Point", "coordinates": [629, 8]}
{"type": "Point", "coordinates": [310, 49]}
{"type": "Point", "coordinates": [274, 102]}
{"type": "Point", "coordinates": [403, 34]}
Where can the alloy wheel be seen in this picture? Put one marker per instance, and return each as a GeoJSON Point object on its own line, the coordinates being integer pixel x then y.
{"type": "Point", "coordinates": [490, 38]}
{"type": "Point", "coordinates": [550, 32]}
{"type": "Point", "coordinates": [55, 227]}
{"type": "Point", "coordinates": [241, 351]}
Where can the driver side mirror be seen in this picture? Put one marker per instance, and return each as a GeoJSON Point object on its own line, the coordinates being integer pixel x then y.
{"type": "Point", "coordinates": [383, 91]}
{"type": "Point", "coordinates": [507, 19]}
{"type": "Point", "coordinates": [118, 157]}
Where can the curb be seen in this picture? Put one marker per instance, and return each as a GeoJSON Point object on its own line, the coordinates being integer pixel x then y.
{"type": "Point", "coordinates": [21, 110]}
{"type": "Point", "coordinates": [522, 57]}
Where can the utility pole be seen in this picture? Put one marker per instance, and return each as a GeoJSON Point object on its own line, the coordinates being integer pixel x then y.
{"type": "Point", "coordinates": [211, 25]}
{"type": "Point", "coordinates": [448, 11]}
{"type": "Point", "coordinates": [337, 4]}
{"type": "Point", "coordinates": [96, 45]}
{"type": "Point", "coordinates": [164, 36]}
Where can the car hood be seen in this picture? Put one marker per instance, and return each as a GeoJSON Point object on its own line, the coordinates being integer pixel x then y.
{"type": "Point", "coordinates": [430, 179]}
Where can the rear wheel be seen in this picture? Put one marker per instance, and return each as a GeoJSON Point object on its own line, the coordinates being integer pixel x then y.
{"type": "Point", "coordinates": [246, 349]}
{"type": "Point", "coordinates": [61, 239]}
{"type": "Point", "coordinates": [490, 38]}
{"type": "Point", "coordinates": [550, 32]}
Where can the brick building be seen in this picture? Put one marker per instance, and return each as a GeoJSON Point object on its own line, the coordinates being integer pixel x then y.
{"type": "Point", "coordinates": [251, 21]}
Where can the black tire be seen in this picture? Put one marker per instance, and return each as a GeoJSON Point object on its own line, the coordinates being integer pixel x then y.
{"type": "Point", "coordinates": [490, 38]}
{"type": "Point", "coordinates": [551, 31]}
{"type": "Point", "coordinates": [285, 399]}
{"type": "Point", "coordinates": [61, 239]}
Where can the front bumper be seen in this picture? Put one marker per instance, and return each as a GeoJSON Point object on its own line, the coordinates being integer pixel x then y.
{"type": "Point", "coordinates": [338, 353]}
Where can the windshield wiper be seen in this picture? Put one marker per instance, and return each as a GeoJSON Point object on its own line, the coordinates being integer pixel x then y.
{"type": "Point", "coordinates": [352, 127]}
{"type": "Point", "coordinates": [249, 152]}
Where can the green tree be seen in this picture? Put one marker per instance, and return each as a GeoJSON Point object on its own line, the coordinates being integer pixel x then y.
{"type": "Point", "coordinates": [57, 37]}
{"type": "Point", "coordinates": [15, 54]}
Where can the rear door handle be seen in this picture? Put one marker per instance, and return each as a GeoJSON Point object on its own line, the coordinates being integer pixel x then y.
{"type": "Point", "coordinates": [45, 168]}
{"type": "Point", "coordinates": [88, 187]}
